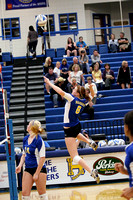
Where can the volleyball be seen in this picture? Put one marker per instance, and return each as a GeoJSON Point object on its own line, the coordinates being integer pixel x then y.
{"type": "Point", "coordinates": [41, 20]}
{"type": "Point", "coordinates": [102, 143]}
{"type": "Point", "coordinates": [111, 143]}
{"type": "Point", "coordinates": [17, 150]}
{"type": "Point", "coordinates": [122, 142]}
{"type": "Point", "coordinates": [117, 142]}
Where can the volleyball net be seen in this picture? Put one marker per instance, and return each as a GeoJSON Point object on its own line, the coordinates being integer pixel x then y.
{"type": "Point", "coordinates": [7, 144]}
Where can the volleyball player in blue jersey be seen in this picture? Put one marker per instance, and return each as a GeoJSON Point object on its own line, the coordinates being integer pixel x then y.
{"type": "Point", "coordinates": [34, 157]}
{"type": "Point", "coordinates": [128, 129]}
{"type": "Point", "coordinates": [72, 127]}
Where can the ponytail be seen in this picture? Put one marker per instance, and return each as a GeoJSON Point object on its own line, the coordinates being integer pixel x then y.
{"type": "Point", "coordinates": [82, 92]}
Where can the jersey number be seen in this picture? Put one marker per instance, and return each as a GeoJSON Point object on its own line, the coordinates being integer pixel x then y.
{"type": "Point", "coordinates": [78, 109]}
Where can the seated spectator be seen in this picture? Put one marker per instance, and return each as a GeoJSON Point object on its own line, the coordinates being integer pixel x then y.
{"type": "Point", "coordinates": [72, 85]}
{"type": "Point", "coordinates": [81, 44]}
{"type": "Point", "coordinates": [123, 42]}
{"type": "Point", "coordinates": [52, 77]}
{"type": "Point", "coordinates": [83, 60]}
{"type": "Point", "coordinates": [64, 69]}
{"type": "Point", "coordinates": [75, 61]}
{"type": "Point", "coordinates": [94, 59]}
{"type": "Point", "coordinates": [113, 44]}
{"type": "Point", "coordinates": [124, 75]}
{"type": "Point", "coordinates": [108, 76]}
{"type": "Point", "coordinates": [57, 68]}
{"type": "Point", "coordinates": [55, 97]}
{"type": "Point", "coordinates": [77, 74]}
{"type": "Point", "coordinates": [71, 47]}
{"type": "Point", "coordinates": [93, 89]}
{"type": "Point", "coordinates": [97, 77]}
{"type": "Point", "coordinates": [48, 63]}
{"type": "Point", "coordinates": [0, 55]}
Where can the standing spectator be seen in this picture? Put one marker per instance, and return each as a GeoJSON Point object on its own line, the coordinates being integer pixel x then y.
{"type": "Point", "coordinates": [95, 58]}
{"type": "Point", "coordinates": [72, 85]}
{"type": "Point", "coordinates": [93, 89]}
{"type": "Point", "coordinates": [32, 41]}
{"type": "Point", "coordinates": [48, 64]}
{"type": "Point", "coordinates": [113, 44]}
{"type": "Point", "coordinates": [123, 42]}
{"type": "Point", "coordinates": [108, 76]}
{"type": "Point", "coordinates": [57, 69]}
{"type": "Point", "coordinates": [75, 61]}
{"type": "Point", "coordinates": [71, 47]}
{"type": "Point", "coordinates": [83, 60]}
{"type": "Point", "coordinates": [52, 77]}
{"type": "Point", "coordinates": [124, 75]}
{"type": "Point", "coordinates": [81, 44]}
{"type": "Point", "coordinates": [77, 74]}
{"type": "Point", "coordinates": [97, 77]}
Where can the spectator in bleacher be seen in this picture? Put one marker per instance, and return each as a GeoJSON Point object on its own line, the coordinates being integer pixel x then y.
{"type": "Point", "coordinates": [113, 44]}
{"type": "Point", "coordinates": [0, 55]}
{"type": "Point", "coordinates": [97, 77]}
{"type": "Point", "coordinates": [55, 97]}
{"type": "Point", "coordinates": [93, 89]}
{"type": "Point", "coordinates": [108, 76]}
{"type": "Point", "coordinates": [123, 42]}
{"type": "Point", "coordinates": [76, 73]}
{"type": "Point", "coordinates": [71, 47]}
{"type": "Point", "coordinates": [32, 41]}
{"type": "Point", "coordinates": [84, 61]}
{"type": "Point", "coordinates": [124, 78]}
{"type": "Point", "coordinates": [57, 68]}
{"type": "Point", "coordinates": [52, 77]}
{"type": "Point", "coordinates": [81, 44]}
{"type": "Point", "coordinates": [64, 69]}
{"type": "Point", "coordinates": [48, 64]}
{"type": "Point", "coordinates": [75, 61]}
{"type": "Point", "coordinates": [72, 85]}
{"type": "Point", "coordinates": [95, 57]}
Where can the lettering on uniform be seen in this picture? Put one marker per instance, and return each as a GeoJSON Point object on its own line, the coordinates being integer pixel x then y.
{"type": "Point", "coordinates": [80, 103]}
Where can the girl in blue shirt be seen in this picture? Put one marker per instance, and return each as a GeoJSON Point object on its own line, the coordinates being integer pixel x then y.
{"type": "Point", "coordinates": [72, 127]}
{"type": "Point", "coordinates": [128, 129]}
{"type": "Point", "coordinates": [34, 157]}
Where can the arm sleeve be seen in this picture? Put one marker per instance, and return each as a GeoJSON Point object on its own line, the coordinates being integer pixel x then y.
{"type": "Point", "coordinates": [41, 148]}
{"type": "Point", "coordinates": [68, 97]}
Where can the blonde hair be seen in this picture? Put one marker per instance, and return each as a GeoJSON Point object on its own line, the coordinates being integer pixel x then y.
{"type": "Point", "coordinates": [46, 61]}
{"type": "Point", "coordinates": [64, 60]}
{"type": "Point", "coordinates": [35, 127]}
{"type": "Point", "coordinates": [123, 63]}
{"type": "Point", "coordinates": [75, 65]}
{"type": "Point", "coordinates": [57, 62]}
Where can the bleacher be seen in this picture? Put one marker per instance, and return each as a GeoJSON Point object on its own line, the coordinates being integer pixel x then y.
{"type": "Point", "coordinates": [112, 107]}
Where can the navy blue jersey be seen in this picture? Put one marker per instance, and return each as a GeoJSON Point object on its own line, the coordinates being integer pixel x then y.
{"type": "Point", "coordinates": [74, 106]}
{"type": "Point", "coordinates": [129, 163]}
{"type": "Point", "coordinates": [33, 152]}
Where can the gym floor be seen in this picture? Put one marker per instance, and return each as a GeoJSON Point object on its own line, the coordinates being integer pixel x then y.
{"type": "Point", "coordinates": [95, 192]}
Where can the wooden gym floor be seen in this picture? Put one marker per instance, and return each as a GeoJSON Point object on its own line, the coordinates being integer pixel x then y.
{"type": "Point", "coordinates": [96, 192]}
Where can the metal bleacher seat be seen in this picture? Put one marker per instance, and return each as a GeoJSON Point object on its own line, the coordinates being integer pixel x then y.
{"type": "Point", "coordinates": [50, 53]}
{"type": "Point", "coordinates": [60, 52]}
{"type": "Point", "coordinates": [103, 48]}
{"type": "Point", "coordinates": [92, 48]}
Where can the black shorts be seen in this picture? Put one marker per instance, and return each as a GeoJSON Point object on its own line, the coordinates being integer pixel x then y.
{"type": "Point", "coordinates": [33, 170]}
{"type": "Point", "coordinates": [73, 131]}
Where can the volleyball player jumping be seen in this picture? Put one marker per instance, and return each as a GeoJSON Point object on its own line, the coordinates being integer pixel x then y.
{"type": "Point", "coordinates": [72, 127]}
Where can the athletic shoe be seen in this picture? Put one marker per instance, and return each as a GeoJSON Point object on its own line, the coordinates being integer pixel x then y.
{"type": "Point", "coordinates": [94, 174]}
{"type": "Point", "coordinates": [93, 145]}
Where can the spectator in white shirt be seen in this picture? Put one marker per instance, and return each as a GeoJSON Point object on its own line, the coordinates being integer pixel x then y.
{"type": "Point", "coordinates": [113, 44]}
{"type": "Point", "coordinates": [93, 88]}
{"type": "Point", "coordinates": [77, 74]}
{"type": "Point", "coordinates": [57, 69]}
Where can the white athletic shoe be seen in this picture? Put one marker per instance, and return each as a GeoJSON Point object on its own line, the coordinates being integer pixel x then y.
{"type": "Point", "coordinates": [94, 174]}
{"type": "Point", "coordinates": [93, 145]}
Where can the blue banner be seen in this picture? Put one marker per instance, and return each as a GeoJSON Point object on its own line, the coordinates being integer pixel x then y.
{"type": "Point", "coordinates": [23, 4]}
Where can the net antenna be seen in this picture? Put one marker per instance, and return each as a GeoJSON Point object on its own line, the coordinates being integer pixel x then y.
{"type": "Point", "coordinates": [5, 107]}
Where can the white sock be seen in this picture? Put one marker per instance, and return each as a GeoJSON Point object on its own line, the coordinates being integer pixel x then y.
{"type": "Point", "coordinates": [25, 197]}
{"type": "Point", "coordinates": [43, 197]}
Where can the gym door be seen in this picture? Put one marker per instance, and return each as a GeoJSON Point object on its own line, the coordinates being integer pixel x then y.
{"type": "Point", "coordinates": [131, 23]}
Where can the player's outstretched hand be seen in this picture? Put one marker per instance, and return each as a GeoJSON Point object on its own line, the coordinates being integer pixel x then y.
{"type": "Point", "coordinates": [18, 169]}
{"type": "Point", "coordinates": [119, 167]}
{"type": "Point", "coordinates": [127, 193]}
{"type": "Point", "coordinates": [46, 80]}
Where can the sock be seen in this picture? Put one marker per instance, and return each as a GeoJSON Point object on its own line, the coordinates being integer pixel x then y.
{"type": "Point", "coordinates": [43, 197]}
{"type": "Point", "coordinates": [25, 197]}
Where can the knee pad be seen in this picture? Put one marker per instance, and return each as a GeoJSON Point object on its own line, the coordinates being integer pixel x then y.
{"type": "Point", "coordinates": [25, 197]}
{"type": "Point", "coordinates": [76, 159]}
{"type": "Point", "coordinates": [43, 197]}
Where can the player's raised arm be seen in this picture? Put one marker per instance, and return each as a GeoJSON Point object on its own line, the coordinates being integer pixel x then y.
{"type": "Point", "coordinates": [57, 89]}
